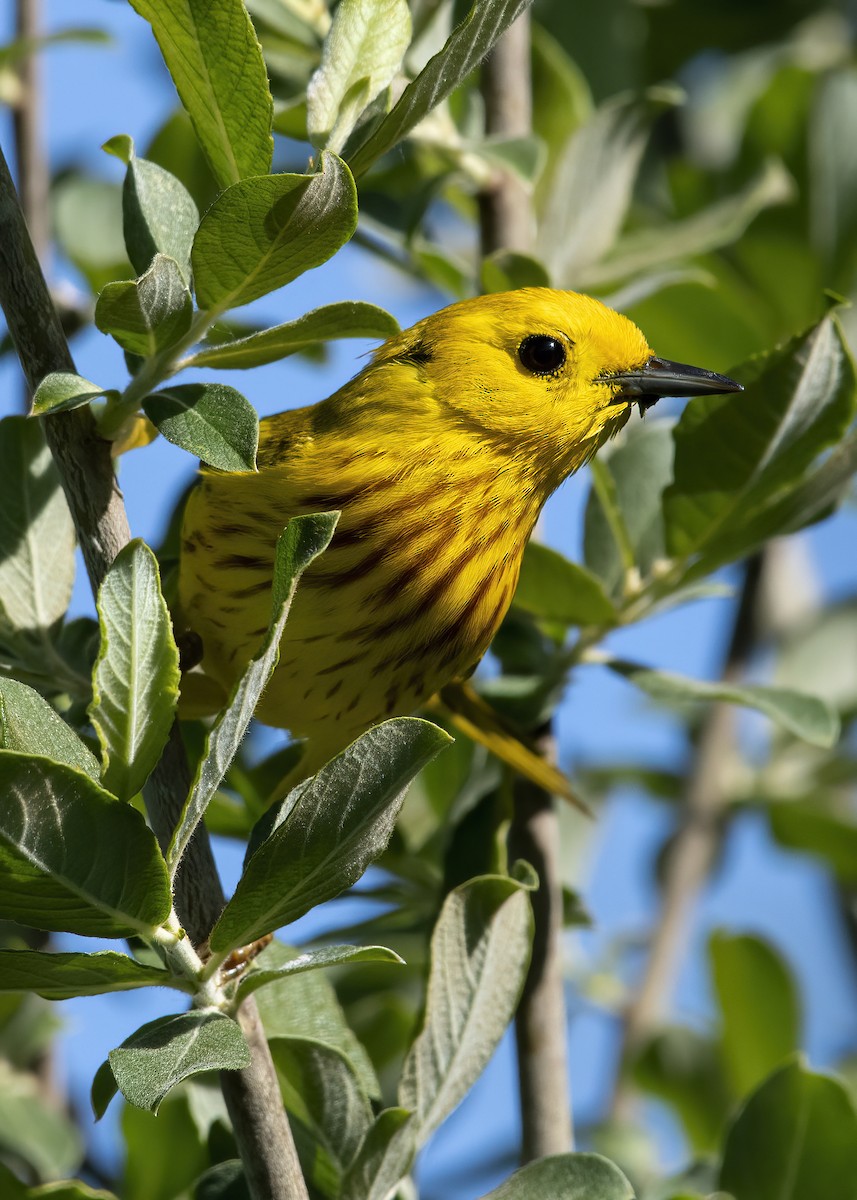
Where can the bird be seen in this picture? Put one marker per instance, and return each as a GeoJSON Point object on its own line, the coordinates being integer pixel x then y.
{"type": "Point", "coordinates": [439, 455]}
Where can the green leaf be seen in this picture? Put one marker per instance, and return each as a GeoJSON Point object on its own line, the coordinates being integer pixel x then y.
{"type": "Point", "coordinates": [804, 827]}
{"type": "Point", "coordinates": [832, 182]}
{"type": "Point", "coordinates": [305, 1005]}
{"type": "Point", "coordinates": [480, 952]}
{"type": "Point", "coordinates": [59, 976]}
{"type": "Point", "coordinates": [736, 455]}
{"type": "Point", "coordinates": [29, 724]}
{"type": "Point", "coordinates": [593, 183]}
{"type": "Point", "coordinates": [555, 589]}
{"type": "Point", "coordinates": [522, 156]}
{"type": "Point", "coordinates": [36, 532]}
{"type": "Point", "coordinates": [263, 233]}
{"type": "Point", "coordinates": [212, 53]}
{"type": "Point", "coordinates": [148, 314]}
{"type": "Point", "coordinates": [312, 960]}
{"type": "Point", "coordinates": [303, 539]}
{"type": "Point", "coordinates": [34, 1130]}
{"type": "Point", "coordinates": [332, 826]}
{"type": "Point", "coordinates": [795, 1139]}
{"type": "Point", "coordinates": [88, 219]}
{"type": "Point", "coordinates": [565, 1177]}
{"type": "Point", "coordinates": [505, 270]}
{"type": "Point", "coordinates": [211, 420]}
{"type": "Point", "coordinates": [329, 1112]}
{"type": "Point", "coordinates": [348, 319]}
{"type": "Point", "coordinates": [224, 1181]}
{"type": "Point", "coordinates": [465, 48]}
{"type": "Point", "coordinates": [22, 47]}
{"type": "Point", "coordinates": [759, 1005]}
{"type": "Point", "coordinates": [624, 523]}
{"type": "Point", "coordinates": [684, 1069]}
{"type": "Point", "coordinates": [720, 224]}
{"type": "Point", "coordinates": [163, 1052]}
{"type": "Point", "coordinates": [159, 216]}
{"type": "Point", "coordinates": [68, 1189]}
{"type": "Point", "coordinates": [103, 1089]}
{"type": "Point", "coordinates": [72, 858]}
{"type": "Point", "coordinates": [384, 1158]}
{"type": "Point", "coordinates": [62, 390]}
{"type": "Point", "coordinates": [361, 55]}
{"type": "Point", "coordinates": [135, 681]}
{"type": "Point", "coordinates": [807, 717]}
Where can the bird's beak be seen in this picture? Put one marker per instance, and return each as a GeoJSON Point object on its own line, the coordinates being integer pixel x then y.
{"type": "Point", "coordinates": [658, 377]}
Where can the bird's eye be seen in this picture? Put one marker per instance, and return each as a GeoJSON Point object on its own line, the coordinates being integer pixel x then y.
{"type": "Point", "coordinates": [541, 354]}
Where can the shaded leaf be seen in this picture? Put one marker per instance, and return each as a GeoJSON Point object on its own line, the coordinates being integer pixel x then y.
{"type": "Point", "coordinates": [148, 314]}
{"type": "Point", "coordinates": [465, 48]}
{"type": "Point", "coordinates": [720, 224]}
{"type": "Point", "coordinates": [303, 539]}
{"type": "Point", "coordinates": [88, 219]}
{"type": "Point", "coordinates": [329, 830]}
{"type": "Point", "coordinates": [349, 319]}
{"type": "Point", "coordinates": [480, 952]}
{"type": "Point", "coordinates": [565, 1177]}
{"type": "Point", "coordinates": [593, 183]}
{"type": "Point", "coordinates": [305, 1005]}
{"type": "Point", "coordinates": [72, 858]}
{"type": "Point", "coordinates": [29, 724]}
{"type": "Point", "coordinates": [806, 716]}
{"type": "Point", "coordinates": [211, 420]}
{"type": "Point", "coordinates": [263, 233]}
{"type": "Point", "coordinates": [61, 975]}
{"type": "Point", "coordinates": [736, 455]}
{"type": "Point", "coordinates": [32, 1129]}
{"type": "Point", "coordinates": [384, 1158]}
{"type": "Point", "coordinates": [808, 829]}
{"type": "Point", "coordinates": [163, 1052]}
{"type": "Point", "coordinates": [135, 682]}
{"type": "Point", "coordinates": [212, 53]}
{"type": "Point", "coordinates": [684, 1069]}
{"type": "Point", "coordinates": [555, 589]}
{"type": "Point", "coordinates": [36, 532]}
{"type": "Point", "coordinates": [794, 1139]}
{"type": "Point", "coordinates": [328, 1110]}
{"type": "Point", "coordinates": [628, 510]}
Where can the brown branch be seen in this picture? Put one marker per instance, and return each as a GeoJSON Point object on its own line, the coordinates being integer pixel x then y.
{"type": "Point", "coordinates": [32, 167]}
{"type": "Point", "coordinates": [506, 223]}
{"type": "Point", "coordinates": [83, 459]}
{"type": "Point", "coordinates": [697, 842]}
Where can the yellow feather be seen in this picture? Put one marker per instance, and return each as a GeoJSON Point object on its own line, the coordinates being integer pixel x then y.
{"type": "Point", "coordinates": [440, 455]}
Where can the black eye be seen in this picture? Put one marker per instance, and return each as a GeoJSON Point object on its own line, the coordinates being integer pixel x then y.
{"type": "Point", "coordinates": [541, 354]}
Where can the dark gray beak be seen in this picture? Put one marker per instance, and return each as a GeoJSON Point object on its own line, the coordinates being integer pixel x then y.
{"type": "Point", "coordinates": [658, 377]}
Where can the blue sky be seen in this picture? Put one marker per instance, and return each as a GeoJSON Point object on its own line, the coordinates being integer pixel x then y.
{"type": "Point", "coordinates": [94, 92]}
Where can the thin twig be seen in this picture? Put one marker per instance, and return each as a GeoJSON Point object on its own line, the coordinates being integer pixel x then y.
{"type": "Point", "coordinates": [83, 459]}
{"type": "Point", "coordinates": [695, 847]}
{"type": "Point", "coordinates": [506, 223]}
{"type": "Point", "coordinates": [32, 167]}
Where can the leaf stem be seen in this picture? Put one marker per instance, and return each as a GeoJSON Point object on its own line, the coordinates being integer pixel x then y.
{"type": "Point", "coordinates": [604, 486]}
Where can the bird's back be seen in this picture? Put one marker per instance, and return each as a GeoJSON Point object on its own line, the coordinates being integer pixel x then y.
{"type": "Point", "coordinates": [420, 572]}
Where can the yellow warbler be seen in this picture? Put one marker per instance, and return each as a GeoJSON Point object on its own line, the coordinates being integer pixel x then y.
{"type": "Point", "coordinates": [440, 455]}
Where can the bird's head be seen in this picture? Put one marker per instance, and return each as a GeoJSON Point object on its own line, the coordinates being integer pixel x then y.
{"type": "Point", "coordinates": [542, 374]}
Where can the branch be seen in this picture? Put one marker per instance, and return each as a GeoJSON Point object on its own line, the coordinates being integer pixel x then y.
{"type": "Point", "coordinates": [86, 470]}
{"type": "Point", "coordinates": [506, 223]}
{"type": "Point", "coordinates": [696, 844]}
